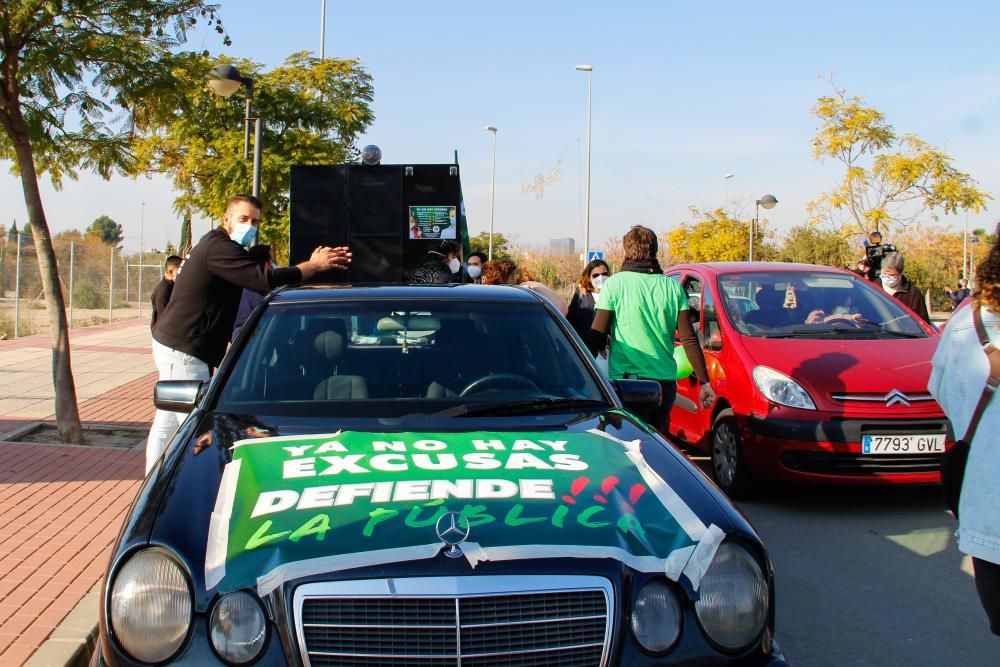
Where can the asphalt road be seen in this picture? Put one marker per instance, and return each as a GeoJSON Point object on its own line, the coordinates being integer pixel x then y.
{"type": "Point", "coordinates": [870, 577]}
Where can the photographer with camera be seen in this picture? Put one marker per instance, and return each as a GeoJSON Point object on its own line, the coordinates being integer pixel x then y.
{"type": "Point", "coordinates": [875, 250]}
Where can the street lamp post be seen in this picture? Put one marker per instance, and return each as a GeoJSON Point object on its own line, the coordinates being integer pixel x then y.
{"type": "Point", "coordinates": [768, 202]}
{"type": "Point", "coordinates": [965, 248]}
{"type": "Point", "coordinates": [224, 80]}
{"type": "Point", "coordinates": [493, 182]}
{"type": "Point", "coordinates": [973, 240]}
{"type": "Point", "coordinates": [142, 218]}
{"type": "Point", "coordinates": [586, 230]}
{"type": "Point", "coordinates": [726, 179]}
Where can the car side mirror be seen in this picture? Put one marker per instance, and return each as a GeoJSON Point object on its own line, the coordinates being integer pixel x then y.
{"type": "Point", "coordinates": [639, 393]}
{"type": "Point", "coordinates": [176, 395]}
{"type": "Point", "coordinates": [715, 340]}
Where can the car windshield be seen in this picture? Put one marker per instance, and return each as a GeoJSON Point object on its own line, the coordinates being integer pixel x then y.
{"type": "Point", "coordinates": [386, 358]}
{"type": "Point", "coordinates": [806, 304]}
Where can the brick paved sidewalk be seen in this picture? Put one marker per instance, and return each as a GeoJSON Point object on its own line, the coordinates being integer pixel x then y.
{"type": "Point", "coordinates": [61, 506]}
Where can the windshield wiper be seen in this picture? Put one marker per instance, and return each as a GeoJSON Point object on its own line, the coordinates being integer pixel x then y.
{"type": "Point", "coordinates": [805, 333]}
{"type": "Point", "coordinates": [521, 407]}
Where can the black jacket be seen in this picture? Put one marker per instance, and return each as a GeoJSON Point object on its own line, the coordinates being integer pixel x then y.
{"type": "Point", "coordinates": [159, 299]}
{"type": "Point", "coordinates": [912, 298]}
{"type": "Point", "coordinates": [199, 317]}
{"type": "Point", "coordinates": [581, 313]}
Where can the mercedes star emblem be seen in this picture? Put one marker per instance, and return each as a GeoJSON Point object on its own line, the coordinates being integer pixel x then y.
{"type": "Point", "coordinates": [452, 528]}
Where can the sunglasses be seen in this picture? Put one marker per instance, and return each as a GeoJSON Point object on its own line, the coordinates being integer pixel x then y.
{"type": "Point", "coordinates": [594, 275]}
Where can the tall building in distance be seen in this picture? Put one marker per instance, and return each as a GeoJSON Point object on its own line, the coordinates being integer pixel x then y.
{"type": "Point", "coordinates": [562, 246]}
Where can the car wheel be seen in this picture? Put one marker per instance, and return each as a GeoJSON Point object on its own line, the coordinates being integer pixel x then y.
{"type": "Point", "coordinates": [729, 470]}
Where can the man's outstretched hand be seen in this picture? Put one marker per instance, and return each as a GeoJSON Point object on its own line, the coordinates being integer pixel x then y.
{"type": "Point", "coordinates": [325, 258]}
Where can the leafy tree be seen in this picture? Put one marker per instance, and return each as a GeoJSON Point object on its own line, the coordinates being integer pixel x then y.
{"type": "Point", "coordinates": [810, 244]}
{"type": "Point", "coordinates": [68, 68]}
{"type": "Point", "coordinates": [107, 230]}
{"type": "Point", "coordinates": [717, 237]}
{"type": "Point", "coordinates": [313, 111]}
{"type": "Point", "coordinates": [12, 234]}
{"type": "Point", "coordinates": [887, 179]}
{"type": "Point", "coordinates": [501, 246]}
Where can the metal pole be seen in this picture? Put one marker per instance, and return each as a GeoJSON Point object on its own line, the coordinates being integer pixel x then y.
{"type": "Point", "coordinates": [246, 127]}
{"type": "Point", "coordinates": [142, 219]}
{"type": "Point", "coordinates": [753, 223]}
{"type": "Point", "coordinates": [493, 186]}
{"type": "Point", "coordinates": [322, 32]}
{"type": "Point", "coordinates": [965, 248]}
{"type": "Point", "coordinates": [17, 290]}
{"type": "Point", "coordinates": [111, 287]}
{"type": "Point", "coordinates": [72, 258]}
{"type": "Point", "coordinates": [257, 138]}
{"type": "Point", "coordinates": [586, 231]}
{"type": "Point", "coordinates": [972, 262]}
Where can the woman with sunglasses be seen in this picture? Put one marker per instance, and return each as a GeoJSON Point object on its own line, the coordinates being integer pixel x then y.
{"type": "Point", "coordinates": [581, 307]}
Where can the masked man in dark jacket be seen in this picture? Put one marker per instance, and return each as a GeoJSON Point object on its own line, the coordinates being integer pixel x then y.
{"type": "Point", "coordinates": [190, 336]}
{"type": "Point", "coordinates": [895, 283]}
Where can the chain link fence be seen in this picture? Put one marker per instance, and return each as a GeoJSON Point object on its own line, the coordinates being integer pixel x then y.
{"type": "Point", "coordinates": [99, 283]}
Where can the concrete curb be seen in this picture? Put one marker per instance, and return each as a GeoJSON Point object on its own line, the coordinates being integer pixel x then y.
{"type": "Point", "coordinates": [73, 642]}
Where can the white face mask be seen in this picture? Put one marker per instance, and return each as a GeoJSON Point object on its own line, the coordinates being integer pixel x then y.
{"type": "Point", "coordinates": [244, 234]}
{"type": "Point", "coordinates": [474, 270]}
{"type": "Point", "coordinates": [454, 265]}
{"type": "Point", "coordinates": [597, 282]}
{"type": "Point", "coordinates": [890, 281]}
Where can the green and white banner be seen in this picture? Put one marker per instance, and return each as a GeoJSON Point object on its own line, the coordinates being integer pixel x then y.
{"type": "Point", "coordinates": [296, 506]}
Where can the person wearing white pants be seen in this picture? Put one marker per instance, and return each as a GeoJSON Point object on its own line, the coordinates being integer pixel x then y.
{"type": "Point", "coordinates": [172, 365]}
{"type": "Point", "coordinates": [191, 335]}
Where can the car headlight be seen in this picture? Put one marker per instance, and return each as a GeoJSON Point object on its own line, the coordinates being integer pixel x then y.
{"type": "Point", "coordinates": [781, 389]}
{"type": "Point", "coordinates": [150, 607]}
{"type": "Point", "coordinates": [238, 628]}
{"type": "Point", "coordinates": [732, 607]}
{"type": "Point", "coordinates": [656, 617]}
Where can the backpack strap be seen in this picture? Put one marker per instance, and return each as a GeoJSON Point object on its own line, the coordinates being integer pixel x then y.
{"type": "Point", "coordinates": [993, 381]}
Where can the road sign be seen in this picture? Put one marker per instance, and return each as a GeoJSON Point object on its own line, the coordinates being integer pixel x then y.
{"type": "Point", "coordinates": [595, 254]}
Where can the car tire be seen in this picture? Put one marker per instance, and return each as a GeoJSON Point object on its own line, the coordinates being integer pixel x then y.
{"type": "Point", "coordinates": [729, 469]}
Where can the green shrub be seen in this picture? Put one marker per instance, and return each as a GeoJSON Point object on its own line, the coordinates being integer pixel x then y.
{"type": "Point", "coordinates": [88, 295]}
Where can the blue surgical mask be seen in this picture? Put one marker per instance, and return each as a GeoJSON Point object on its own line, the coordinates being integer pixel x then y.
{"type": "Point", "coordinates": [890, 281]}
{"type": "Point", "coordinates": [244, 234]}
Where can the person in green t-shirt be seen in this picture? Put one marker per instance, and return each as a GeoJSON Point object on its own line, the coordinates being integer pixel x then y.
{"type": "Point", "coordinates": [642, 309]}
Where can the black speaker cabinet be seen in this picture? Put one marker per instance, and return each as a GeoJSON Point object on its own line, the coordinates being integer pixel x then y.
{"type": "Point", "coordinates": [389, 215]}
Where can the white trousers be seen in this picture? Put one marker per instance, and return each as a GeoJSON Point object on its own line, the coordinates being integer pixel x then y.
{"type": "Point", "coordinates": [172, 365]}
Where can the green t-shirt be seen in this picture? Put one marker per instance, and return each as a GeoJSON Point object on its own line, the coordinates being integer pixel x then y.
{"type": "Point", "coordinates": [645, 308]}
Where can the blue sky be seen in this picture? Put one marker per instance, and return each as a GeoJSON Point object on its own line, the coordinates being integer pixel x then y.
{"type": "Point", "coordinates": [683, 93]}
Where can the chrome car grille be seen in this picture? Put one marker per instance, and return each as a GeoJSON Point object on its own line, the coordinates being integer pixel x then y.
{"type": "Point", "coordinates": [511, 621]}
{"type": "Point", "coordinates": [893, 398]}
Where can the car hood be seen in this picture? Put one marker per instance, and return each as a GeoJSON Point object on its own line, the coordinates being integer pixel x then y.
{"type": "Point", "coordinates": [853, 367]}
{"type": "Point", "coordinates": [261, 502]}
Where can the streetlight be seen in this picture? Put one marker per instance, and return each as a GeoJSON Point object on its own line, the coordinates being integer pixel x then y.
{"type": "Point", "coordinates": [726, 179]}
{"type": "Point", "coordinates": [973, 241]}
{"type": "Point", "coordinates": [493, 184]}
{"type": "Point", "coordinates": [768, 202]}
{"type": "Point", "coordinates": [142, 218]}
{"type": "Point", "coordinates": [586, 230]}
{"type": "Point", "coordinates": [965, 248]}
{"type": "Point", "coordinates": [224, 80]}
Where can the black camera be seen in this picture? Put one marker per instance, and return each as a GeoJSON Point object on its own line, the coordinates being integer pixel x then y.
{"type": "Point", "coordinates": [873, 257]}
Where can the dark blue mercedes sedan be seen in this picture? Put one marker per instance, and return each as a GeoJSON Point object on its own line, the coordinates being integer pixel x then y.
{"type": "Point", "coordinates": [429, 476]}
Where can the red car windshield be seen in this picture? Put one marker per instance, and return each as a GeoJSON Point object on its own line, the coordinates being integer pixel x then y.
{"type": "Point", "coordinates": [806, 304]}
